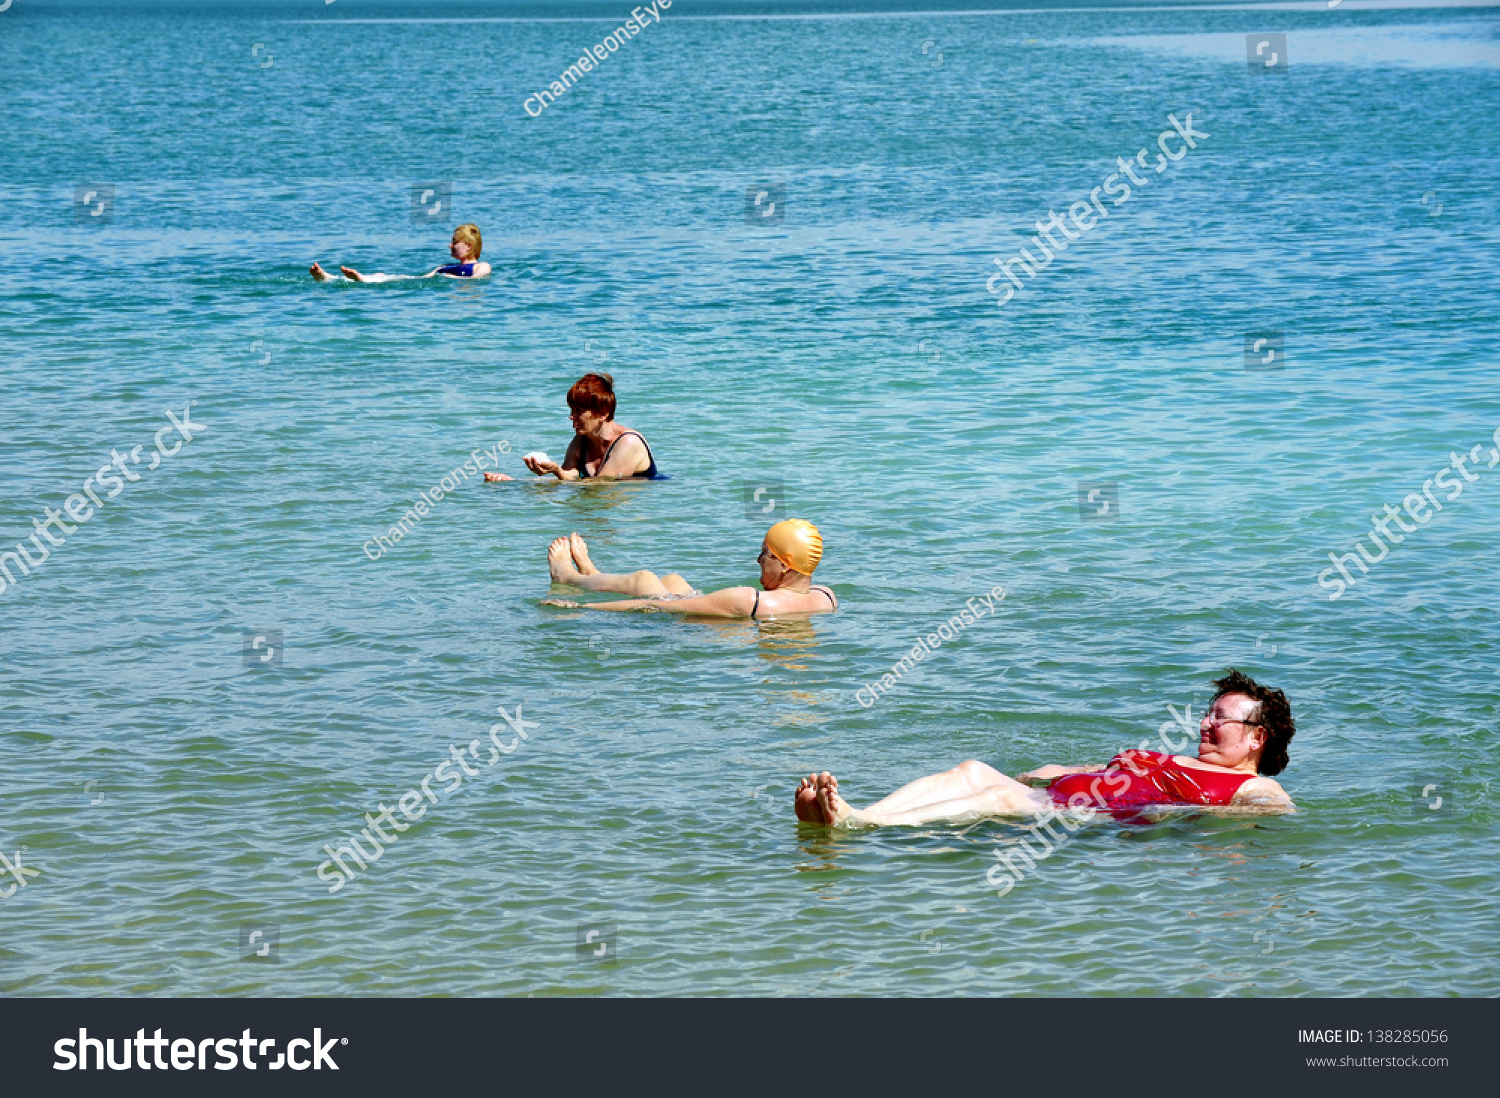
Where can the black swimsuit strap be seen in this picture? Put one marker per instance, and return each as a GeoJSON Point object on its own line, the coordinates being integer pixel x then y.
{"type": "Point", "coordinates": [608, 449]}
{"type": "Point", "coordinates": [616, 442]}
{"type": "Point", "coordinates": [756, 607]}
{"type": "Point", "coordinates": [649, 455]}
{"type": "Point", "coordinates": [825, 591]}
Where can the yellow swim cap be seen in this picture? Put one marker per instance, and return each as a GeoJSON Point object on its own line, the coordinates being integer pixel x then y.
{"type": "Point", "coordinates": [797, 544]}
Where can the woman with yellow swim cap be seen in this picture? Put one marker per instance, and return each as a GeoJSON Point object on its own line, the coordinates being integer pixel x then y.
{"type": "Point", "coordinates": [788, 555]}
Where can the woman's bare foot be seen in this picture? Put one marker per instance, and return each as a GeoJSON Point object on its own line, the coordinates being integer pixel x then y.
{"type": "Point", "coordinates": [560, 562]}
{"type": "Point", "coordinates": [834, 808]}
{"type": "Point", "coordinates": [352, 274]}
{"type": "Point", "coordinates": [805, 801]}
{"type": "Point", "coordinates": [817, 800]}
{"type": "Point", "coordinates": [580, 553]}
{"type": "Point", "coordinates": [318, 272]}
{"type": "Point", "coordinates": [491, 478]}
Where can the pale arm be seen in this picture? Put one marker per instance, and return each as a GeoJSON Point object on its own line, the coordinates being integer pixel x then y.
{"type": "Point", "coordinates": [1262, 794]}
{"type": "Point", "coordinates": [354, 276]}
{"type": "Point", "coordinates": [732, 602]}
{"type": "Point", "coordinates": [627, 459]}
{"type": "Point", "coordinates": [1052, 770]}
{"type": "Point", "coordinates": [568, 470]}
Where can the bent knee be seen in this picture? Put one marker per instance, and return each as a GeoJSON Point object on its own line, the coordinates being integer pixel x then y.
{"type": "Point", "coordinates": [646, 583]}
{"type": "Point", "coordinates": [976, 772]}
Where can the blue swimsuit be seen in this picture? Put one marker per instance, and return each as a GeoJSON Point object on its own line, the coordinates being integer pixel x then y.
{"type": "Point", "coordinates": [462, 270]}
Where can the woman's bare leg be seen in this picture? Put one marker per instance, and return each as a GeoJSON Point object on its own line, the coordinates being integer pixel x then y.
{"type": "Point", "coordinates": [1007, 797]}
{"type": "Point", "coordinates": [639, 584]}
{"type": "Point", "coordinates": [963, 779]}
{"type": "Point", "coordinates": [676, 585]}
{"type": "Point", "coordinates": [996, 800]}
{"type": "Point", "coordinates": [579, 549]}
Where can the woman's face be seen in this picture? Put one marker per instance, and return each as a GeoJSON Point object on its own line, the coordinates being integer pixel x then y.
{"type": "Point", "coordinates": [771, 569]}
{"type": "Point", "coordinates": [461, 250]}
{"type": "Point", "coordinates": [1224, 738]}
{"type": "Point", "coordinates": [586, 422]}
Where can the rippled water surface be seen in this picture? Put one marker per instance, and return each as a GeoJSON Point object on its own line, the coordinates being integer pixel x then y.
{"type": "Point", "coordinates": [850, 360]}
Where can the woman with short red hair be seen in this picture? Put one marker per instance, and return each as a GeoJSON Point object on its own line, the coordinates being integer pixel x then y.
{"type": "Point", "coordinates": [600, 447]}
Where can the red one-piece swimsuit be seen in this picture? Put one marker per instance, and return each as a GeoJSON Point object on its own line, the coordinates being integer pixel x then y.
{"type": "Point", "coordinates": [1136, 778]}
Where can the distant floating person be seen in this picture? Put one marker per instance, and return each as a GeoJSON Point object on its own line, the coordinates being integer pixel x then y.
{"type": "Point", "coordinates": [465, 249]}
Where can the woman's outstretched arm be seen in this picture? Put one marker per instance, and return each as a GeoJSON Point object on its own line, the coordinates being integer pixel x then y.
{"type": "Point", "coordinates": [1052, 770]}
{"type": "Point", "coordinates": [354, 276]}
{"type": "Point", "coordinates": [732, 602]}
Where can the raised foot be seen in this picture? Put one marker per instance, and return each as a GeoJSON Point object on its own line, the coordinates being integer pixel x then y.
{"type": "Point", "coordinates": [817, 800]}
{"type": "Point", "coordinates": [805, 800]}
{"type": "Point", "coordinates": [834, 808]}
{"type": "Point", "coordinates": [560, 562]}
{"type": "Point", "coordinates": [580, 552]}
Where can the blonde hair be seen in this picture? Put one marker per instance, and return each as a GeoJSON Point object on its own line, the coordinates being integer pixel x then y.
{"type": "Point", "coordinates": [469, 234]}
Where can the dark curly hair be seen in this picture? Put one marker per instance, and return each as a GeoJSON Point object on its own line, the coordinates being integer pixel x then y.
{"type": "Point", "coordinates": [1272, 712]}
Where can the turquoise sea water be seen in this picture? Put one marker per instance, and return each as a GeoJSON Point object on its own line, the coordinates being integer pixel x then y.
{"type": "Point", "coordinates": [849, 360]}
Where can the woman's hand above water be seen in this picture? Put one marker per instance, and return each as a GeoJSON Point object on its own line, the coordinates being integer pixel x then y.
{"type": "Point", "coordinates": [544, 468]}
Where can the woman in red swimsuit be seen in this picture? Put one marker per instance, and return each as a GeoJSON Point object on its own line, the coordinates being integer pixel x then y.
{"type": "Point", "coordinates": [1242, 740]}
